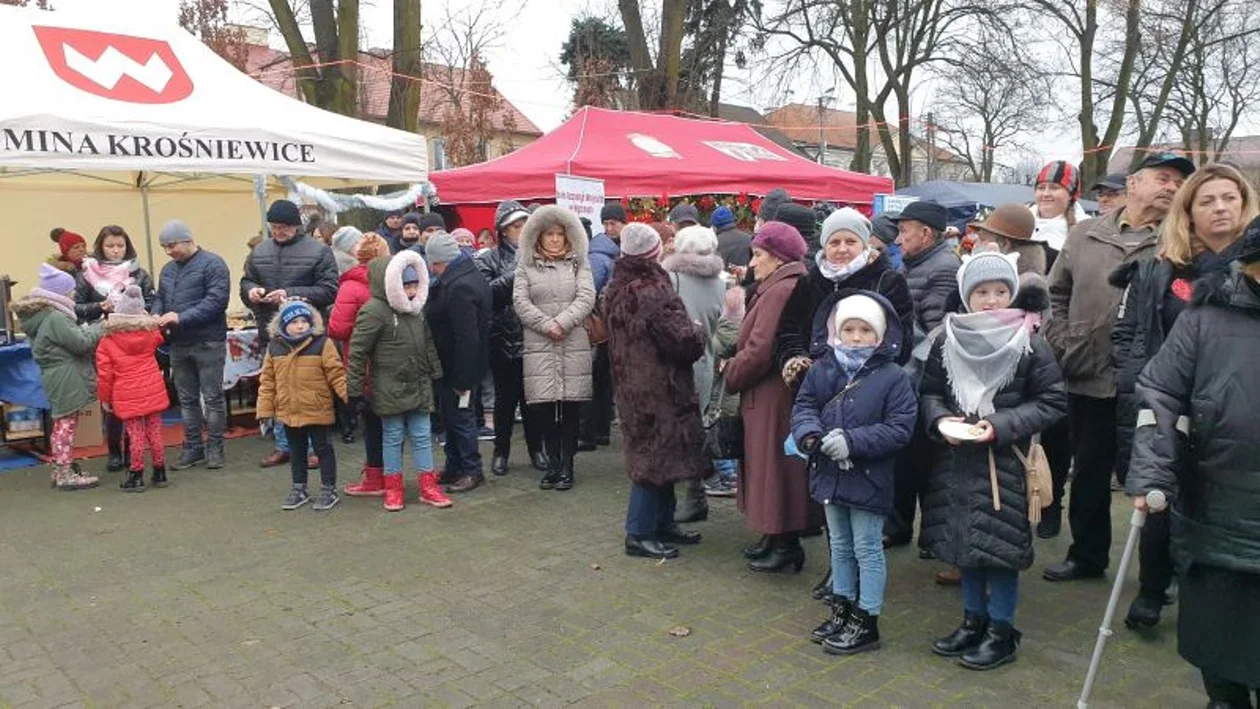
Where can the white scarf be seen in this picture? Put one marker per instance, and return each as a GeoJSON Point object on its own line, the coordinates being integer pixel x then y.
{"type": "Point", "coordinates": [838, 274]}
{"type": "Point", "coordinates": [982, 352]}
{"type": "Point", "coordinates": [1053, 232]}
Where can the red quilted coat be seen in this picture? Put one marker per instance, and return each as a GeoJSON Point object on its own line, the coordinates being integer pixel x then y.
{"type": "Point", "coordinates": [127, 373]}
{"type": "Point", "coordinates": [352, 293]}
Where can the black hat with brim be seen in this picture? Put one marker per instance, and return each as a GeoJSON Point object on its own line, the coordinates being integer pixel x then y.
{"type": "Point", "coordinates": [1115, 182]}
{"type": "Point", "coordinates": [927, 212]}
{"type": "Point", "coordinates": [1180, 163]}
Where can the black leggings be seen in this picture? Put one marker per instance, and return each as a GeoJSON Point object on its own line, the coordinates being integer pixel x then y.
{"type": "Point", "coordinates": [558, 423]}
{"type": "Point", "coordinates": [300, 440]}
{"type": "Point", "coordinates": [373, 440]}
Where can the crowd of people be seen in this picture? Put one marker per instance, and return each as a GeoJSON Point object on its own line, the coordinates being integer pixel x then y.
{"type": "Point", "coordinates": [880, 371]}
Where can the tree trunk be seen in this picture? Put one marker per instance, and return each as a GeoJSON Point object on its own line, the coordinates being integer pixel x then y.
{"type": "Point", "coordinates": [905, 141]}
{"type": "Point", "coordinates": [309, 78]}
{"type": "Point", "coordinates": [1189, 26]}
{"type": "Point", "coordinates": [719, 64]}
{"type": "Point", "coordinates": [1096, 162]}
{"type": "Point", "coordinates": [669, 60]}
{"type": "Point", "coordinates": [861, 89]}
{"type": "Point", "coordinates": [648, 81]}
{"type": "Point", "coordinates": [404, 92]}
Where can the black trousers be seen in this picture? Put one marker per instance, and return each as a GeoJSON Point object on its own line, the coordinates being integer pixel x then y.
{"type": "Point", "coordinates": [301, 440]}
{"type": "Point", "coordinates": [557, 422]}
{"type": "Point", "coordinates": [462, 455]}
{"type": "Point", "coordinates": [910, 477]}
{"type": "Point", "coordinates": [114, 431]}
{"type": "Point", "coordinates": [1094, 452]}
{"type": "Point", "coordinates": [373, 440]}
{"type": "Point", "coordinates": [509, 393]}
{"type": "Point", "coordinates": [1057, 442]}
{"type": "Point", "coordinates": [1155, 555]}
{"type": "Point", "coordinates": [597, 414]}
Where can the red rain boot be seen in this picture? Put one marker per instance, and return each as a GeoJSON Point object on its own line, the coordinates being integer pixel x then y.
{"type": "Point", "coordinates": [394, 492]}
{"type": "Point", "coordinates": [372, 484]}
{"type": "Point", "coordinates": [430, 492]}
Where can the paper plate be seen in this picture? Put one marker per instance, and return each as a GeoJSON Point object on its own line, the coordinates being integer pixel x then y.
{"type": "Point", "coordinates": [960, 430]}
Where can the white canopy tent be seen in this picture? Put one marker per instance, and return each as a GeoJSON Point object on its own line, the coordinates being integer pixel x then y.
{"type": "Point", "coordinates": [137, 111]}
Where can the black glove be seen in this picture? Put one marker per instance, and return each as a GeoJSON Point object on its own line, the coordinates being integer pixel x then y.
{"type": "Point", "coordinates": [358, 404]}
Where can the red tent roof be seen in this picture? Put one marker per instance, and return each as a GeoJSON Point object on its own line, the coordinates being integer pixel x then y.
{"type": "Point", "coordinates": [648, 154]}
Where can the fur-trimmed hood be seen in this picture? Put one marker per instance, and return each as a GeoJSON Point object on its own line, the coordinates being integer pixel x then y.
{"type": "Point", "coordinates": [390, 284]}
{"type": "Point", "coordinates": [543, 219]}
{"type": "Point", "coordinates": [317, 324]}
{"type": "Point", "coordinates": [699, 265]}
{"type": "Point", "coordinates": [1226, 290]}
{"type": "Point", "coordinates": [117, 322]}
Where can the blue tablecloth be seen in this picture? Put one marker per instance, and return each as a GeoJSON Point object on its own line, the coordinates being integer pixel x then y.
{"type": "Point", "coordinates": [19, 377]}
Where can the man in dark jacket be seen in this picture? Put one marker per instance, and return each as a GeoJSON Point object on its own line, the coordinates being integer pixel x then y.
{"type": "Point", "coordinates": [288, 265]}
{"type": "Point", "coordinates": [191, 303]}
{"type": "Point", "coordinates": [931, 266]}
{"type": "Point", "coordinates": [734, 246]}
{"type": "Point", "coordinates": [507, 346]}
{"type": "Point", "coordinates": [1083, 306]}
{"type": "Point", "coordinates": [391, 229]}
{"type": "Point", "coordinates": [458, 312]}
{"type": "Point", "coordinates": [597, 414]}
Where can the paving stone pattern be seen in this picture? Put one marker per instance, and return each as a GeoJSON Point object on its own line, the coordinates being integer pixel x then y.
{"type": "Point", "coordinates": [205, 594]}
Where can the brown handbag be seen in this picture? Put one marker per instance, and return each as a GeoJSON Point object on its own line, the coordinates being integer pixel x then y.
{"type": "Point", "coordinates": [1040, 482]}
{"type": "Point", "coordinates": [596, 326]}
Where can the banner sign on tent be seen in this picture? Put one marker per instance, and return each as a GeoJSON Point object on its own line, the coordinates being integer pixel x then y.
{"type": "Point", "coordinates": [584, 196]}
{"type": "Point", "coordinates": [891, 203]}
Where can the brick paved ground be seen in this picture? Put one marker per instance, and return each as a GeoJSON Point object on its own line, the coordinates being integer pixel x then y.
{"type": "Point", "coordinates": [205, 594]}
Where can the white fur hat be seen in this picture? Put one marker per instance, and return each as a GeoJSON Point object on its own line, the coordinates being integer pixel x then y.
{"type": "Point", "coordinates": [695, 239]}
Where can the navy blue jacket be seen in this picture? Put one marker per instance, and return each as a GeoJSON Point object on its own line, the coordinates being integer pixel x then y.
{"type": "Point", "coordinates": [604, 253]}
{"type": "Point", "coordinates": [198, 291]}
{"type": "Point", "coordinates": [877, 412]}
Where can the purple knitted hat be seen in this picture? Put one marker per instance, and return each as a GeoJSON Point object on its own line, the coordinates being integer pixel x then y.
{"type": "Point", "coordinates": [780, 240]}
{"type": "Point", "coordinates": [55, 280]}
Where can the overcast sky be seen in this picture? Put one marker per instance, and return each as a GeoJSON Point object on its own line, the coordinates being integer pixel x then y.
{"type": "Point", "coordinates": [527, 70]}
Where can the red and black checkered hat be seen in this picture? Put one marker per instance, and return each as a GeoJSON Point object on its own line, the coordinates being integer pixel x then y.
{"type": "Point", "coordinates": [1061, 172]}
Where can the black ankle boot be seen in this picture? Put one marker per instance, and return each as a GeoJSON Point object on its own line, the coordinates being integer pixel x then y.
{"type": "Point", "coordinates": [965, 637]}
{"type": "Point", "coordinates": [540, 460]}
{"type": "Point", "coordinates": [758, 549]}
{"type": "Point", "coordinates": [567, 451]}
{"type": "Point", "coordinates": [551, 476]}
{"type": "Point", "coordinates": [822, 589]}
{"type": "Point", "coordinates": [787, 553]}
{"type": "Point", "coordinates": [841, 608]}
{"type": "Point", "coordinates": [996, 649]}
{"type": "Point", "coordinates": [159, 476]}
{"type": "Point", "coordinates": [860, 634]}
{"type": "Point", "coordinates": [134, 482]}
{"type": "Point", "coordinates": [695, 504]}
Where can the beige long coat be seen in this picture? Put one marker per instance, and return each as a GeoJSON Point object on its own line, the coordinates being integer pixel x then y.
{"type": "Point", "coordinates": [560, 292]}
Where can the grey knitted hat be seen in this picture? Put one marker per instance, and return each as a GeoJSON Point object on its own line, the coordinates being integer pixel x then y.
{"type": "Point", "coordinates": [987, 266]}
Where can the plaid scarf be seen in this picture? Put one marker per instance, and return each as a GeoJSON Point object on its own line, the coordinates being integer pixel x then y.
{"type": "Point", "coordinates": [852, 359]}
{"type": "Point", "coordinates": [982, 352]}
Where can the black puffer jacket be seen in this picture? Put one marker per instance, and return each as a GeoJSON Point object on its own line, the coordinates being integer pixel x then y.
{"type": "Point", "coordinates": [932, 276]}
{"type": "Point", "coordinates": [1205, 380]}
{"type": "Point", "coordinates": [458, 312]}
{"type": "Point", "coordinates": [816, 296]}
{"type": "Point", "coordinates": [1137, 335]}
{"type": "Point", "coordinates": [960, 526]}
{"type": "Point", "coordinates": [498, 265]}
{"type": "Point", "coordinates": [87, 300]}
{"type": "Point", "coordinates": [303, 267]}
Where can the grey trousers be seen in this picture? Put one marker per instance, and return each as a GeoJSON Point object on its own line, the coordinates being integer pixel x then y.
{"type": "Point", "coordinates": [198, 373]}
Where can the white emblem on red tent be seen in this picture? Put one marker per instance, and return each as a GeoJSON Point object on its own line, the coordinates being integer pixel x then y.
{"type": "Point", "coordinates": [652, 146]}
{"type": "Point", "coordinates": [115, 66]}
{"type": "Point", "coordinates": [745, 152]}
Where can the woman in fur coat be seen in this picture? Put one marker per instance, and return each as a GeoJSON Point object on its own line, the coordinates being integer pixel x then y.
{"type": "Point", "coordinates": [695, 270]}
{"type": "Point", "coordinates": [653, 347]}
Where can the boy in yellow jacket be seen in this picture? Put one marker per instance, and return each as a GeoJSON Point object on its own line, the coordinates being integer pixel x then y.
{"type": "Point", "coordinates": [301, 373]}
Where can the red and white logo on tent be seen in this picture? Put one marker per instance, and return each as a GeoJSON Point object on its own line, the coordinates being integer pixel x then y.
{"type": "Point", "coordinates": [116, 66]}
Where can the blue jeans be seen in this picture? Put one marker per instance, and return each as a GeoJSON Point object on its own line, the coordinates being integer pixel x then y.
{"type": "Point", "coordinates": [394, 429]}
{"type": "Point", "coordinates": [282, 436]}
{"type": "Point", "coordinates": [651, 509]}
{"type": "Point", "coordinates": [727, 470]}
{"type": "Point", "coordinates": [198, 373]}
{"type": "Point", "coordinates": [990, 592]}
{"type": "Point", "coordinates": [858, 568]}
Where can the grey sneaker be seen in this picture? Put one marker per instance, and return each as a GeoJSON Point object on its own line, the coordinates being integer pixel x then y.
{"type": "Point", "coordinates": [189, 458]}
{"type": "Point", "coordinates": [719, 488]}
{"type": "Point", "coordinates": [297, 497]}
{"type": "Point", "coordinates": [214, 458]}
{"type": "Point", "coordinates": [328, 499]}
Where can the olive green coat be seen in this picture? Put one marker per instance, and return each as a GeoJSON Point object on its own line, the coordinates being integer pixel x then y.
{"type": "Point", "coordinates": [64, 351]}
{"type": "Point", "coordinates": [391, 342]}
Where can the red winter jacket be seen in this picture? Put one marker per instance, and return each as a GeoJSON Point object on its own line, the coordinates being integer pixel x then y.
{"type": "Point", "coordinates": [351, 295]}
{"type": "Point", "coordinates": [127, 373]}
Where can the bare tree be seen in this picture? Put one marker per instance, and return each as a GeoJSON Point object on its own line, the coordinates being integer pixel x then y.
{"type": "Point", "coordinates": [408, 65]}
{"type": "Point", "coordinates": [331, 82]}
{"type": "Point", "coordinates": [208, 20]}
{"type": "Point", "coordinates": [987, 100]}
{"type": "Point", "coordinates": [879, 48]}
{"type": "Point", "coordinates": [657, 78]}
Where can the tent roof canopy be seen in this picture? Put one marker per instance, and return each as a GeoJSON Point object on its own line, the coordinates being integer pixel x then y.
{"type": "Point", "coordinates": [104, 95]}
{"type": "Point", "coordinates": [647, 154]}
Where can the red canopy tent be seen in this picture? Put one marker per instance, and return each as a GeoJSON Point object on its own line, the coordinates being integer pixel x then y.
{"type": "Point", "coordinates": [647, 154]}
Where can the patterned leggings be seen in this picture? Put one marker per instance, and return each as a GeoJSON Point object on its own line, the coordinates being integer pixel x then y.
{"type": "Point", "coordinates": [146, 432]}
{"type": "Point", "coordinates": [63, 442]}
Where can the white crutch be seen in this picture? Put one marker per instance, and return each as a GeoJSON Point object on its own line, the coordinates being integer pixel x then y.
{"type": "Point", "coordinates": [1156, 501]}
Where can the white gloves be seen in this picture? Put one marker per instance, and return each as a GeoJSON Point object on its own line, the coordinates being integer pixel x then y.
{"type": "Point", "coordinates": [835, 446]}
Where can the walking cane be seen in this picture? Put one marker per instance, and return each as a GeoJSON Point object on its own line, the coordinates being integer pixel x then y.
{"type": "Point", "coordinates": [1156, 501]}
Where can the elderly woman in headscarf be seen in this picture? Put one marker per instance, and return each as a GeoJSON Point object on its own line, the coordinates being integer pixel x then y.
{"type": "Point", "coordinates": [773, 487]}
{"type": "Point", "coordinates": [653, 347]}
{"type": "Point", "coordinates": [552, 294]}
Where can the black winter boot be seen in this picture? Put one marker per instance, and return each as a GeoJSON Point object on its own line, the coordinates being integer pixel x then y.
{"type": "Point", "coordinates": [159, 476]}
{"type": "Point", "coordinates": [551, 457]}
{"type": "Point", "coordinates": [1145, 611]}
{"type": "Point", "coordinates": [965, 637]}
{"type": "Point", "coordinates": [786, 553]}
{"type": "Point", "coordinates": [822, 589]}
{"type": "Point", "coordinates": [134, 482]}
{"type": "Point", "coordinates": [996, 649]}
{"type": "Point", "coordinates": [567, 450]}
{"type": "Point", "coordinates": [695, 504]}
{"type": "Point", "coordinates": [841, 608]}
{"type": "Point", "coordinates": [860, 634]}
{"type": "Point", "coordinates": [758, 549]}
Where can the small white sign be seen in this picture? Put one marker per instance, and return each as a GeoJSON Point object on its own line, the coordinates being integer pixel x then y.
{"type": "Point", "coordinates": [891, 202]}
{"type": "Point", "coordinates": [584, 196]}
{"type": "Point", "coordinates": [744, 152]}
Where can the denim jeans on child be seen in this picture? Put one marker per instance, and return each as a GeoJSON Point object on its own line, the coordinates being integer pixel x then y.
{"type": "Point", "coordinates": [857, 556]}
{"type": "Point", "coordinates": [727, 470]}
{"type": "Point", "coordinates": [281, 435]}
{"type": "Point", "coordinates": [414, 425]}
{"type": "Point", "coordinates": [990, 592]}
